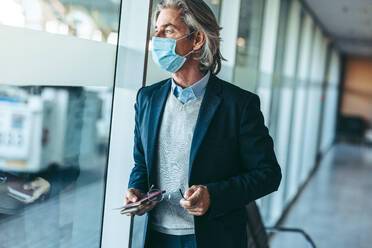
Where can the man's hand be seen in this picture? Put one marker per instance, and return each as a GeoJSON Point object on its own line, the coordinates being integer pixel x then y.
{"type": "Point", "coordinates": [134, 195]}
{"type": "Point", "coordinates": [197, 200]}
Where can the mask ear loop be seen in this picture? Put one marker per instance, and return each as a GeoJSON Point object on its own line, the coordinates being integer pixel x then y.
{"type": "Point", "coordinates": [187, 35]}
{"type": "Point", "coordinates": [189, 53]}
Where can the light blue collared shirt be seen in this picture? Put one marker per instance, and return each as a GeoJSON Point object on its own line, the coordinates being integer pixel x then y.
{"type": "Point", "coordinates": [190, 93]}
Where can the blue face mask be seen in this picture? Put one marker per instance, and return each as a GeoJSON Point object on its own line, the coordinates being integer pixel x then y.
{"type": "Point", "coordinates": [164, 53]}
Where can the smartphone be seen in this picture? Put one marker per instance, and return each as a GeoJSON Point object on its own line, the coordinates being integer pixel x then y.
{"type": "Point", "coordinates": [131, 210]}
{"type": "Point", "coordinates": [135, 206]}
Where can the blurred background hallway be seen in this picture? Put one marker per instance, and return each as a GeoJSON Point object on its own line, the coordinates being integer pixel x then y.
{"type": "Point", "coordinates": [335, 206]}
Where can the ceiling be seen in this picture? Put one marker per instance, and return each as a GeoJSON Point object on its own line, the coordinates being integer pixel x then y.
{"type": "Point", "coordinates": [348, 22]}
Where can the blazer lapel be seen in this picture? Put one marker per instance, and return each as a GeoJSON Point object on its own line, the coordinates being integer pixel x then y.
{"type": "Point", "coordinates": [158, 100]}
{"type": "Point", "coordinates": [210, 103]}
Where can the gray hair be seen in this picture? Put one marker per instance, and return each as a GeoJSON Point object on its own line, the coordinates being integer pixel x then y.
{"type": "Point", "coordinates": [197, 16]}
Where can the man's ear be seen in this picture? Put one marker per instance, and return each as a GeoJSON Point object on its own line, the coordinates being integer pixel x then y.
{"type": "Point", "coordinates": [199, 40]}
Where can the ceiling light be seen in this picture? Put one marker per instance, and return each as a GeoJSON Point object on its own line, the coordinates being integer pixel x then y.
{"type": "Point", "coordinates": [240, 42]}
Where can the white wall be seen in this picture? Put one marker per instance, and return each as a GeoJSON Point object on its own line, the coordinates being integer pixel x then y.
{"type": "Point", "coordinates": [129, 78]}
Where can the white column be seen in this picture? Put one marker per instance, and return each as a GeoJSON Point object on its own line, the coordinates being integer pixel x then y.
{"type": "Point", "coordinates": [230, 23]}
{"type": "Point", "coordinates": [285, 102]}
{"type": "Point", "coordinates": [268, 48]}
{"type": "Point", "coordinates": [129, 78]}
{"type": "Point", "coordinates": [331, 97]}
{"type": "Point", "coordinates": [299, 106]}
{"type": "Point", "coordinates": [312, 118]}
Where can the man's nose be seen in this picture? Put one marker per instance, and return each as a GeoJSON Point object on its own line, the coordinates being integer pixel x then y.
{"type": "Point", "coordinates": [160, 33]}
{"type": "Point", "coordinates": [157, 34]}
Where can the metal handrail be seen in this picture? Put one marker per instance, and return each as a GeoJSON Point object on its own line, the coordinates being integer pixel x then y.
{"type": "Point", "coordinates": [296, 230]}
{"type": "Point", "coordinates": [3, 179]}
{"type": "Point", "coordinates": [131, 231]}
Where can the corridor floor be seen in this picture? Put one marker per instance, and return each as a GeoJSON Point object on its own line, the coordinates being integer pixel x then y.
{"type": "Point", "coordinates": [335, 208]}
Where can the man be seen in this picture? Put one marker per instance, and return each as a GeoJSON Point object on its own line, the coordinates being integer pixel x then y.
{"type": "Point", "coordinates": [200, 135]}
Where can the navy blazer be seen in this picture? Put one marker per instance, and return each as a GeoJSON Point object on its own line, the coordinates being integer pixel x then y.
{"type": "Point", "coordinates": [231, 153]}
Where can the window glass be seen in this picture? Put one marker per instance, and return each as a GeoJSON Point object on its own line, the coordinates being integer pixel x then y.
{"type": "Point", "coordinates": [299, 107]}
{"type": "Point", "coordinates": [279, 87]}
{"type": "Point", "coordinates": [94, 20]}
{"type": "Point", "coordinates": [284, 88]}
{"type": "Point", "coordinates": [55, 112]}
{"type": "Point", "coordinates": [248, 44]}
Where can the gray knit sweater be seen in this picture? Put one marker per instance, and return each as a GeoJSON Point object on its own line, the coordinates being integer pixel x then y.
{"type": "Point", "coordinates": [174, 145]}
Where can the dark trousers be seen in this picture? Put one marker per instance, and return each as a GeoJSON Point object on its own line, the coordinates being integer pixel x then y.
{"type": "Point", "coordinates": [161, 240]}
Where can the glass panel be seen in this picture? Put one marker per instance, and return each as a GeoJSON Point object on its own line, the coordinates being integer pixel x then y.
{"type": "Point", "coordinates": [299, 110]}
{"type": "Point", "coordinates": [94, 20]}
{"type": "Point", "coordinates": [248, 44]}
{"type": "Point", "coordinates": [313, 110]}
{"type": "Point", "coordinates": [278, 65]}
{"type": "Point", "coordinates": [275, 205]}
{"type": "Point", "coordinates": [329, 116]}
{"type": "Point", "coordinates": [267, 56]}
{"type": "Point", "coordinates": [55, 113]}
{"type": "Point", "coordinates": [287, 94]}
{"type": "Point", "coordinates": [264, 76]}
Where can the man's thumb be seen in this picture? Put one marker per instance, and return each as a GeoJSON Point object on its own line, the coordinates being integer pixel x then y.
{"type": "Point", "coordinates": [133, 197]}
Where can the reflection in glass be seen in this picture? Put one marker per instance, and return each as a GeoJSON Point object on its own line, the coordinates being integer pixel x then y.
{"type": "Point", "coordinates": [53, 153]}
{"type": "Point", "coordinates": [55, 115]}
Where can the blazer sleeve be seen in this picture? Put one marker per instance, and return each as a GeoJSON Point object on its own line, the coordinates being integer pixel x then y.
{"type": "Point", "coordinates": [138, 177]}
{"type": "Point", "coordinates": [261, 173]}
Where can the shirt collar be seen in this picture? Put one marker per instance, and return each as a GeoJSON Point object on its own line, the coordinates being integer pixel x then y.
{"type": "Point", "coordinates": [192, 92]}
